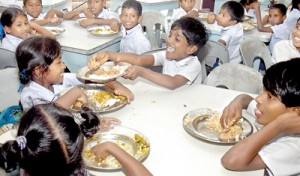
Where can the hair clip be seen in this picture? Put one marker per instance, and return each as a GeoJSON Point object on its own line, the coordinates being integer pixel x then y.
{"type": "Point", "coordinates": [23, 73]}
{"type": "Point", "coordinates": [78, 118]}
{"type": "Point", "coordinates": [21, 140]}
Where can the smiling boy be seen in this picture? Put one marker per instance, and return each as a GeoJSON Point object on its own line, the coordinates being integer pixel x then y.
{"type": "Point", "coordinates": [133, 39]}
{"type": "Point", "coordinates": [180, 63]}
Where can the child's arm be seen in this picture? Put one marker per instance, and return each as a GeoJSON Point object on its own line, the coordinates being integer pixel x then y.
{"type": "Point", "coordinates": [260, 26]}
{"type": "Point", "coordinates": [53, 12]}
{"type": "Point", "coordinates": [39, 29]}
{"type": "Point", "coordinates": [113, 23]}
{"type": "Point", "coordinates": [167, 81]}
{"type": "Point", "coordinates": [233, 111]}
{"type": "Point", "coordinates": [132, 166]}
{"type": "Point", "coordinates": [192, 13]}
{"type": "Point", "coordinates": [244, 155]}
{"type": "Point", "coordinates": [74, 94]}
{"type": "Point", "coordinates": [74, 14]}
{"type": "Point", "coordinates": [120, 89]}
{"type": "Point", "coordinates": [211, 18]}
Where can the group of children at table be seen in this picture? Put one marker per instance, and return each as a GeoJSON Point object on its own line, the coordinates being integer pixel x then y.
{"type": "Point", "coordinates": [42, 72]}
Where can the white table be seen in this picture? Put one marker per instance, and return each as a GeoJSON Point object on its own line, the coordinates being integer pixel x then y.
{"type": "Point", "coordinates": [148, 4]}
{"type": "Point", "coordinates": [78, 44]}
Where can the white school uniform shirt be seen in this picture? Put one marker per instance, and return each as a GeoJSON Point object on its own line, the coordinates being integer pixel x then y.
{"type": "Point", "coordinates": [190, 67]}
{"type": "Point", "coordinates": [233, 35]}
{"type": "Point", "coordinates": [40, 17]}
{"type": "Point", "coordinates": [283, 51]}
{"type": "Point", "coordinates": [279, 33]}
{"type": "Point", "coordinates": [281, 155]}
{"type": "Point", "coordinates": [134, 40]}
{"type": "Point", "coordinates": [105, 14]}
{"type": "Point", "coordinates": [10, 42]}
{"type": "Point", "coordinates": [178, 13]}
{"type": "Point", "coordinates": [250, 12]}
{"type": "Point", "coordinates": [34, 94]}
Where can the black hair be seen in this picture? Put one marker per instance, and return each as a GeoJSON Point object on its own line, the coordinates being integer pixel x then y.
{"type": "Point", "coordinates": [54, 142]}
{"type": "Point", "coordinates": [283, 81]}
{"type": "Point", "coordinates": [193, 30]}
{"type": "Point", "coordinates": [36, 52]}
{"type": "Point", "coordinates": [295, 4]}
{"type": "Point", "coordinates": [133, 4]}
{"type": "Point", "coordinates": [281, 7]}
{"type": "Point", "coordinates": [246, 2]}
{"type": "Point", "coordinates": [10, 14]}
{"type": "Point", "coordinates": [235, 10]}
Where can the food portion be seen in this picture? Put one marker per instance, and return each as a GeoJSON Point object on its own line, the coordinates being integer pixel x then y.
{"type": "Point", "coordinates": [102, 31]}
{"type": "Point", "coordinates": [247, 27]}
{"type": "Point", "coordinates": [233, 133]}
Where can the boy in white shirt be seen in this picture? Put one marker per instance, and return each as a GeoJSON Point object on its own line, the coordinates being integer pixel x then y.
{"type": "Point", "coordinates": [133, 38]}
{"type": "Point", "coordinates": [186, 8]}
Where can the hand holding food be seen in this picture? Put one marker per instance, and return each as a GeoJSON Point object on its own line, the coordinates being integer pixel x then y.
{"type": "Point", "coordinates": [211, 18]}
{"type": "Point", "coordinates": [97, 60]}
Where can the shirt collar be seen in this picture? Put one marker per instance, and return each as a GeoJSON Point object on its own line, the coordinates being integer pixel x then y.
{"type": "Point", "coordinates": [185, 61]}
{"type": "Point", "coordinates": [130, 31]}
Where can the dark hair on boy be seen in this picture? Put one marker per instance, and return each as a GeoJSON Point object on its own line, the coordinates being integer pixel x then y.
{"type": "Point", "coordinates": [36, 52]}
{"type": "Point", "coordinates": [295, 4]}
{"type": "Point", "coordinates": [10, 14]}
{"type": "Point", "coordinates": [133, 4]}
{"type": "Point", "coordinates": [283, 81]}
{"type": "Point", "coordinates": [281, 7]}
{"type": "Point", "coordinates": [52, 142]}
{"type": "Point", "coordinates": [25, 1]}
{"type": "Point", "coordinates": [193, 30]}
{"type": "Point", "coordinates": [247, 2]}
{"type": "Point", "coordinates": [235, 10]}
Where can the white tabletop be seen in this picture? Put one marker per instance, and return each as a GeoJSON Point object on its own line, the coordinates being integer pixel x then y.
{"type": "Point", "coordinates": [158, 113]}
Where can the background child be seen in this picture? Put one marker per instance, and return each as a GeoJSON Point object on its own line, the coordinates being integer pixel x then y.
{"type": "Point", "coordinates": [274, 147]}
{"type": "Point", "coordinates": [281, 31]}
{"type": "Point", "coordinates": [287, 49]}
{"type": "Point", "coordinates": [180, 63]}
{"type": "Point", "coordinates": [95, 14]}
{"type": "Point", "coordinates": [34, 8]}
{"type": "Point", "coordinates": [229, 17]}
{"type": "Point", "coordinates": [133, 38]}
{"type": "Point", "coordinates": [50, 142]}
{"type": "Point", "coordinates": [277, 14]}
{"type": "Point", "coordinates": [248, 6]}
{"type": "Point", "coordinates": [42, 74]}
{"type": "Point", "coordinates": [17, 28]}
{"type": "Point", "coordinates": [186, 8]}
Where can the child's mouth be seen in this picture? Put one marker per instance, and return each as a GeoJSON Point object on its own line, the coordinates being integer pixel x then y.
{"type": "Point", "coordinates": [170, 49]}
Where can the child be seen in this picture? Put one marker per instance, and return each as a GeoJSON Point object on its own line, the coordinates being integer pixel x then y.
{"type": "Point", "coordinates": [17, 28]}
{"type": "Point", "coordinates": [42, 74]}
{"type": "Point", "coordinates": [95, 14]}
{"type": "Point", "coordinates": [277, 14]}
{"type": "Point", "coordinates": [186, 8]}
{"type": "Point", "coordinates": [133, 39]}
{"type": "Point", "coordinates": [180, 63]}
{"type": "Point", "coordinates": [248, 6]}
{"type": "Point", "coordinates": [281, 31]}
{"type": "Point", "coordinates": [34, 8]}
{"type": "Point", "coordinates": [50, 142]}
{"type": "Point", "coordinates": [274, 147]}
{"type": "Point", "coordinates": [229, 17]}
{"type": "Point", "coordinates": [290, 47]}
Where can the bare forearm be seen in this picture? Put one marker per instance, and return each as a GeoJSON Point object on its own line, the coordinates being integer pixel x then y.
{"type": "Point", "coordinates": [131, 58]}
{"type": "Point", "coordinates": [243, 100]}
{"type": "Point", "coordinates": [41, 30]}
{"type": "Point", "coordinates": [73, 14]}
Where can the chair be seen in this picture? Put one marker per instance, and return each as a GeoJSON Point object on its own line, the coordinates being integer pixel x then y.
{"type": "Point", "coordinates": [154, 24]}
{"type": "Point", "coordinates": [212, 50]}
{"type": "Point", "coordinates": [7, 59]}
{"type": "Point", "coordinates": [235, 77]}
{"type": "Point", "coordinates": [251, 49]}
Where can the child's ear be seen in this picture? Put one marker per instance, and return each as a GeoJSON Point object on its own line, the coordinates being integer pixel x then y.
{"type": "Point", "coordinates": [38, 72]}
{"type": "Point", "coordinates": [192, 49]}
{"type": "Point", "coordinates": [6, 29]}
{"type": "Point", "coordinates": [140, 19]}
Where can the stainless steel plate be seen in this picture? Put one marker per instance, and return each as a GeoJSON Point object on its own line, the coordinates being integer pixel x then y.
{"type": "Point", "coordinates": [102, 31]}
{"type": "Point", "coordinates": [86, 74]}
{"type": "Point", "coordinates": [122, 136]}
{"type": "Point", "coordinates": [194, 123]}
{"type": "Point", "coordinates": [55, 30]}
{"type": "Point", "coordinates": [114, 103]}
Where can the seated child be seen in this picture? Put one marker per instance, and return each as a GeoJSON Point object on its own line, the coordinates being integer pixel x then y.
{"type": "Point", "coordinates": [186, 8]}
{"type": "Point", "coordinates": [133, 38]}
{"type": "Point", "coordinates": [286, 49]}
{"type": "Point", "coordinates": [248, 6]}
{"type": "Point", "coordinates": [281, 31]}
{"type": "Point", "coordinates": [50, 142]}
{"type": "Point", "coordinates": [275, 146]}
{"type": "Point", "coordinates": [42, 74]}
{"type": "Point", "coordinates": [17, 28]}
{"type": "Point", "coordinates": [277, 14]}
{"type": "Point", "coordinates": [229, 17]}
{"type": "Point", "coordinates": [180, 62]}
{"type": "Point", "coordinates": [95, 14]}
{"type": "Point", "coordinates": [34, 8]}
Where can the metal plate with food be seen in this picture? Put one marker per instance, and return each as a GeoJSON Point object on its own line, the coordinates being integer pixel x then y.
{"type": "Point", "coordinates": [102, 31]}
{"type": "Point", "coordinates": [106, 72]}
{"type": "Point", "coordinates": [132, 141]}
{"type": "Point", "coordinates": [204, 124]}
{"type": "Point", "coordinates": [100, 99]}
{"type": "Point", "coordinates": [202, 15]}
{"type": "Point", "coordinates": [247, 27]}
{"type": "Point", "coordinates": [55, 30]}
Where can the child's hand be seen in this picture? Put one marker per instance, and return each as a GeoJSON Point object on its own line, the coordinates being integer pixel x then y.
{"type": "Point", "coordinates": [231, 114]}
{"type": "Point", "coordinates": [211, 18]}
{"type": "Point", "coordinates": [97, 60]}
{"type": "Point", "coordinates": [86, 22]}
{"type": "Point", "coordinates": [88, 14]}
{"type": "Point", "coordinates": [82, 97]}
{"type": "Point", "coordinates": [114, 25]}
{"type": "Point", "coordinates": [132, 72]}
{"type": "Point", "coordinates": [122, 90]}
{"type": "Point", "coordinates": [55, 20]}
{"type": "Point", "coordinates": [107, 123]}
{"type": "Point", "coordinates": [101, 151]}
